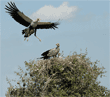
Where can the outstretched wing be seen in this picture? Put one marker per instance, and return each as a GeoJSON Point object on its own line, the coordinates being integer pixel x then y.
{"type": "Point", "coordinates": [17, 15]}
{"type": "Point", "coordinates": [47, 25]}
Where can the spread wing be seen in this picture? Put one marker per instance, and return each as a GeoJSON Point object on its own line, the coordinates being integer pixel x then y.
{"type": "Point", "coordinates": [17, 15]}
{"type": "Point", "coordinates": [47, 25]}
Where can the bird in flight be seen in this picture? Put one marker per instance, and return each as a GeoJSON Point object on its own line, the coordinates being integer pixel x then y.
{"type": "Point", "coordinates": [31, 25]}
{"type": "Point", "coordinates": [50, 53]}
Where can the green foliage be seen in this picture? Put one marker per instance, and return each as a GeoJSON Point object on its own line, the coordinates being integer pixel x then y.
{"type": "Point", "coordinates": [72, 76]}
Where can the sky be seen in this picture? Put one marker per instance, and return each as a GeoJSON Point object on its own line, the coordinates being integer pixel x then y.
{"type": "Point", "coordinates": [83, 24]}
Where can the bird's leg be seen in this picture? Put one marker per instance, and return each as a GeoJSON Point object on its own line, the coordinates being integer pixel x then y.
{"type": "Point", "coordinates": [28, 37]}
{"type": "Point", "coordinates": [36, 36]}
{"type": "Point", "coordinates": [24, 39]}
{"type": "Point", "coordinates": [59, 55]}
{"type": "Point", "coordinates": [35, 32]}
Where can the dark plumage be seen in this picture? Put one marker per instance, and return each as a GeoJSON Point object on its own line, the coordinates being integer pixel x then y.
{"type": "Point", "coordinates": [31, 25]}
{"type": "Point", "coordinates": [50, 53]}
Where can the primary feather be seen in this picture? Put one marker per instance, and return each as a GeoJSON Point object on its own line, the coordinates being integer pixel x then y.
{"type": "Point", "coordinates": [18, 15]}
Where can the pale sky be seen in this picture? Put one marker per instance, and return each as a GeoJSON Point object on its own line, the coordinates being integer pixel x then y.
{"type": "Point", "coordinates": [83, 24]}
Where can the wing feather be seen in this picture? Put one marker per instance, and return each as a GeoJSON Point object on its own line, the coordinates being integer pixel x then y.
{"type": "Point", "coordinates": [47, 25]}
{"type": "Point", "coordinates": [17, 15]}
{"type": "Point", "coordinates": [45, 53]}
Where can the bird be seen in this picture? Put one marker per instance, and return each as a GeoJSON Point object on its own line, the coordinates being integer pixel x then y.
{"type": "Point", "coordinates": [31, 25]}
{"type": "Point", "coordinates": [50, 53]}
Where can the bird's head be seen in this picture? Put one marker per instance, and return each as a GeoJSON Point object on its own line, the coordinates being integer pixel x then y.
{"type": "Point", "coordinates": [57, 44]}
{"type": "Point", "coordinates": [38, 19]}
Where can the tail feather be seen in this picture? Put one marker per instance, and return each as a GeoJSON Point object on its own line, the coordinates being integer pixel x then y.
{"type": "Point", "coordinates": [40, 58]}
{"type": "Point", "coordinates": [23, 32]}
{"type": "Point", "coordinates": [45, 57]}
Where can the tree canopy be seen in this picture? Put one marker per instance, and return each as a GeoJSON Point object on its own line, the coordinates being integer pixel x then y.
{"type": "Point", "coordinates": [71, 76]}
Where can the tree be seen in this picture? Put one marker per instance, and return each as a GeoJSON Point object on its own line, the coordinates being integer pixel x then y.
{"type": "Point", "coordinates": [71, 76]}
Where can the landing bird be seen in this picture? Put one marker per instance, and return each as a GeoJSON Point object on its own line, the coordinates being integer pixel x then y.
{"type": "Point", "coordinates": [50, 53]}
{"type": "Point", "coordinates": [31, 25]}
